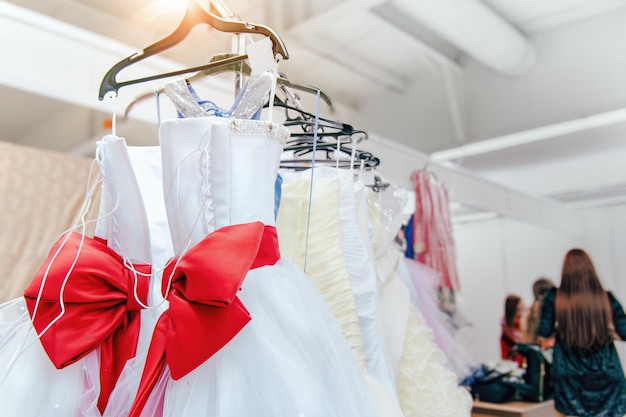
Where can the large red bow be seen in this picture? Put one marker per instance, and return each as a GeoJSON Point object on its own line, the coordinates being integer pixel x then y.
{"type": "Point", "coordinates": [100, 306]}
{"type": "Point", "coordinates": [204, 312]}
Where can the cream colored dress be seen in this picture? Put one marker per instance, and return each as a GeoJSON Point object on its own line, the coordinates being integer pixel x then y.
{"type": "Point", "coordinates": [426, 385]}
{"type": "Point", "coordinates": [335, 257]}
{"type": "Point", "coordinates": [310, 237]}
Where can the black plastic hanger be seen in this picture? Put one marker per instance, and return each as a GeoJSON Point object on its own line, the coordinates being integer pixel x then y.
{"type": "Point", "coordinates": [363, 159]}
{"type": "Point", "coordinates": [329, 144]}
{"type": "Point", "coordinates": [378, 185]}
{"type": "Point", "coordinates": [194, 15]}
{"type": "Point", "coordinates": [307, 121]}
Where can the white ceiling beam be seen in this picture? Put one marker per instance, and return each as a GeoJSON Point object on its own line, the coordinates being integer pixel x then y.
{"type": "Point", "coordinates": [367, 69]}
{"type": "Point", "coordinates": [454, 89]}
{"type": "Point", "coordinates": [399, 161]}
{"type": "Point", "coordinates": [54, 59]}
{"type": "Point", "coordinates": [475, 29]}
{"type": "Point", "coordinates": [310, 33]}
{"type": "Point", "coordinates": [319, 22]}
{"type": "Point", "coordinates": [532, 135]}
{"type": "Point", "coordinates": [432, 51]}
{"type": "Point", "coordinates": [533, 17]}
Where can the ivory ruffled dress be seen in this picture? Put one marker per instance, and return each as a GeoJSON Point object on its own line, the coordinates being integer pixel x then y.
{"type": "Point", "coordinates": [426, 385]}
{"type": "Point", "coordinates": [319, 228]}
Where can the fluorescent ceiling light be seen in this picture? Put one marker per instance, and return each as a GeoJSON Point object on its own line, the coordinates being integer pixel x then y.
{"type": "Point", "coordinates": [532, 135]}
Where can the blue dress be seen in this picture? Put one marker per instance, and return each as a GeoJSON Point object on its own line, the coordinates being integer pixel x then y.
{"type": "Point", "coordinates": [586, 383]}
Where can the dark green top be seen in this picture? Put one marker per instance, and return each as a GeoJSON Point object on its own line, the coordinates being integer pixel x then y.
{"type": "Point", "coordinates": [586, 383]}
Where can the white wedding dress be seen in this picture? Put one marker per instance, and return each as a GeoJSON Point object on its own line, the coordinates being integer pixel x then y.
{"type": "Point", "coordinates": [30, 385]}
{"type": "Point", "coordinates": [291, 359]}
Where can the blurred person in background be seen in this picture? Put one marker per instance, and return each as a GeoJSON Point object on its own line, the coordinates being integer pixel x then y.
{"type": "Point", "coordinates": [585, 319]}
{"type": "Point", "coordinates": [512, 333]}
{"type": "Point", "coordinates": [541, 286]}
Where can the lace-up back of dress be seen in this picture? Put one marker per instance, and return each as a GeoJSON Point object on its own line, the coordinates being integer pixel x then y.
{"type": "Point", "coordinates": [240, 156]}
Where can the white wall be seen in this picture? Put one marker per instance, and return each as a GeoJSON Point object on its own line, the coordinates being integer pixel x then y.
{"type": "Point", "coordinates": [579, 72]}
{"type": "Point", "coordinates": [421, 115]}
{"type": "Point", "coordinates": [502, 256]}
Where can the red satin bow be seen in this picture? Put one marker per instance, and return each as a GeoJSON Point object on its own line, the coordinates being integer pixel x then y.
{"type": "Point", "coordinates": [204, 312]}
{"type": "Point", "coordinates": [100, 308]}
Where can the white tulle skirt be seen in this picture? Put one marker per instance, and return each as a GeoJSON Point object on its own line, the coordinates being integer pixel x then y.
{"type": "Point", "coordinates": [290, 360]}
{"type": "Point", "coordinates": [31, 386]}
{"type": "Point", "coordinates": [422, 283]}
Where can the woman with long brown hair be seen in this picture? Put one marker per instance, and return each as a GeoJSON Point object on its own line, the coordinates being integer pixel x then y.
{"type": "Point", "coordinates": [587, 375]}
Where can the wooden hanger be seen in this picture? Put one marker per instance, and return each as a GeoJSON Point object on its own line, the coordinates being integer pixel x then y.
{"type": "Point", "coordinates": [194, 15]}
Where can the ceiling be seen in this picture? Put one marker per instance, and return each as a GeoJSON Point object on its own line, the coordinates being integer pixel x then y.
{"type": "Point", "coordinates": [540, 84]}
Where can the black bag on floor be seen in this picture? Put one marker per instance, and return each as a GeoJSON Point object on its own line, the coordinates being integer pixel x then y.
{"type": "Point", "coordinates": [537, 378]}
{"type": "Point", "coordinates": [492, 387]}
